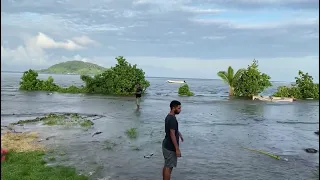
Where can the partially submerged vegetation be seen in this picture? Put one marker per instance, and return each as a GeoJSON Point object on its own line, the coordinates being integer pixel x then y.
{"type": "Point", "coordinates": [132, 133]}
{"type": "Point", "coordinates": [246, 82]}
{"type": "Point", "coordinates": [25, 160]}
{"type": "Point", "coordinates": [123, 77]}
{"type": "Point", "coordinates": [118, 80]}
{"type": "Point", "coordinates": [60, 119]}
{"type": "Point", "coordinates": [108, 145]}
{"type": "Point", "coordinates": [303, 88]}
{"type": "Point", "coordinates": [251, 82]}
{"type": "Point", "coordinates": [184, 90]}
{"type": "Point", "coordinates": [230, 78]}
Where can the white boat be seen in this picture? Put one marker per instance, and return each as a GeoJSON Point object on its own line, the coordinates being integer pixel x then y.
{"type": "Point", "coordinates": [272, 99]}
{"type": "Point", "coordinates": [178, 82]}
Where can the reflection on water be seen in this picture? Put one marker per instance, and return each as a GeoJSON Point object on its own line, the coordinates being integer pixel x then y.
{"type": "Point", "coordinates": [214, 129]}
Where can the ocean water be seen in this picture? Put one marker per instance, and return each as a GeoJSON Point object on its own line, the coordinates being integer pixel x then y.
{"type": "Point", "coordinates": [215, 130]}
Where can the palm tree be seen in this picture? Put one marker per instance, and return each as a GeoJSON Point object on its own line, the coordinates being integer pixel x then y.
{"type": "Point", "coordinates": [230, 78]}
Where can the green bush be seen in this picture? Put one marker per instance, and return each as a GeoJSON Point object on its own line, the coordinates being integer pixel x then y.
{"type": "Point", "coordinates": [30, 82]}
{"type": "Point", "coordinates": [185, 91]}
{"type": "Point", "coordinates": [252, 81]}
{"type": "Point", "coordinates": [118, 80]}
{"type": "Point", "coordinates": [303, 88]}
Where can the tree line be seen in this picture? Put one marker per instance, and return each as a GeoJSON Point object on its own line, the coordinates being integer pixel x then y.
{"type": "Point", "coordinates": [123, 77]}
{"type": "Point", "coordinates": [250, 81]}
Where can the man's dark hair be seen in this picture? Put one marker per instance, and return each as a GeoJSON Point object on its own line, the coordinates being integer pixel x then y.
{"type": "Point", "coordinates": [174, 104]}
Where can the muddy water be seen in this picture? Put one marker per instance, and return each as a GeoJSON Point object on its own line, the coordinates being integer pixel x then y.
{"type": "Point", "coordinates": [214, 129]}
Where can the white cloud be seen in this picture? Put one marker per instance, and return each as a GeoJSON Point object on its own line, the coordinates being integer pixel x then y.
{"type": "Point", "coordinates": [213, 37]}
{"type": "Point", "coordinates": [33, 51]}
{"type": "Point", "coordinates": [28, 54]}
{"type": "Point", "coordinates": [45, 42]}
{"type": "Point", "coordinates": [200, 10]}
{"type": "Point", "coordinates": [84, 40]}
{"type": "Point", "coordinates": [262, 25]}
{"type": "Point", "coordinates": [175, 35]}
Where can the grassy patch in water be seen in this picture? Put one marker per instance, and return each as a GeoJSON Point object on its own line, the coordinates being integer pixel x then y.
{"type": "Point", "coordinates": [136, 148]}
{"type": "Point", "coordinates": [132, 133]}
{"type": "Point", "coordinates": [60, 119]}
{"type": "Point", "coordinates": [30, 165]}
{"type": "Point", "coordinates": [108, 145]}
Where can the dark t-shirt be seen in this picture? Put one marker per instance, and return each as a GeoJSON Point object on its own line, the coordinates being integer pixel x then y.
{"type": "Point", "coordinates": [138, 92]}
{"type": "Point", "coordinates": [170, 123]}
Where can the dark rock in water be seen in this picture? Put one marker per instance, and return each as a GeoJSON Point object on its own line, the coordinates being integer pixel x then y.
{"type": "Point", "coordinates": [311, 150]}
{"type": "Point", "coordinates": [50, 137]}
{"type": "Point", "coordinates": [317, 132]}
{"type": "Point", "coordinates": [149, 156]}
{"type": "Point", "coordinates": [99, 132]}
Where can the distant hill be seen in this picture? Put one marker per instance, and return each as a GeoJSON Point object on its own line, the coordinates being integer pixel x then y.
{"type": "Point", "coordinates": [74, 67]}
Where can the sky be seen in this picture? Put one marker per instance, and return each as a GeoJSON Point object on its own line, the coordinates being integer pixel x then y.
{"type": "Point", "coordinates": [166, 38]}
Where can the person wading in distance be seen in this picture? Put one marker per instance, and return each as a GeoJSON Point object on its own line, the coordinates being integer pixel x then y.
{"type": "Point", "coordinates": [138, 96]}
{"type": "Point", "coordinates": [170, 144]}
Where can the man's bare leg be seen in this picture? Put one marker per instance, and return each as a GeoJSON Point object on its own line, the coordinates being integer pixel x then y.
{"type": "Point", "coordinates": [166, 173]}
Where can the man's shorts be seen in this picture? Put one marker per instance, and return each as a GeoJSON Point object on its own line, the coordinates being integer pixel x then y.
{"type": "Point", "coordinates": [170, 158]}
{"type": "Point", "coordinates": [138, 101]}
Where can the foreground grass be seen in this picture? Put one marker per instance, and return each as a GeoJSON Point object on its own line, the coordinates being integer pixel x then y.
{"type": "Point", "coordinates": [21, 142]}
{"type": "Point", "coordinates": [30, 165]}
{"type": "Point", "coordinates": [25, 160]}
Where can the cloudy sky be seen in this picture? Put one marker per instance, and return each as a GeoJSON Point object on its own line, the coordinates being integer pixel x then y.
{"type": "Point", "coordinates": [169, 38]}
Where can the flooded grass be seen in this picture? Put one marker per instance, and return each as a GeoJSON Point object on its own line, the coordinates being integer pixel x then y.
{"type": "Point", "coordinates": [25, 160]}
{"type": "Point", "coordinates": [108, 145]}
{"type": "Point", "coordinates": [132, 133]}
{"type": "Point", "coordinates": [51, 158]}
{"type": "Point", "coordinates": [60, 119]}
{"type": "Point", "coordinates": [136, 148]}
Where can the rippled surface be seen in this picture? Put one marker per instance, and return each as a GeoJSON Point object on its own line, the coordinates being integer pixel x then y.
{"type": "Point", "coordinates": [214, 127]}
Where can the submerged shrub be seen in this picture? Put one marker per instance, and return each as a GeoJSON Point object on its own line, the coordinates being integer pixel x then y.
{"type": "Point", "coordinates": [185, 91]}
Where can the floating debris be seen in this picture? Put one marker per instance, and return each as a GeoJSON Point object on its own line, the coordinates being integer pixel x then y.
{"type": "Point", "coordinates": [265, 153]}
{"type": "Point", "coordinates": [96, 133]}
{"type": "Point", "coordinates": [317, 132]}
{"type": "Point", "coordinates": [311, 150]}
{"type": "Point", "coordinates": [49, 137]}
{"type": "Point", "coordinates": [148, 156]}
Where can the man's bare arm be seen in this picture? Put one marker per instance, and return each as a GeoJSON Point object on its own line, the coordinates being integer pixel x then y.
{"type": "Point", "coordinates": [173, 138]}
{"type": "Point", "coordinates": [180, 135]}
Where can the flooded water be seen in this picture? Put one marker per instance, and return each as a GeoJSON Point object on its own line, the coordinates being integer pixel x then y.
{"type": "Point", "coordinates": [215, 129]}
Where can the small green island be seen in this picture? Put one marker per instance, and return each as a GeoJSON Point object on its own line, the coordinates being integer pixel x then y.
{"type": "Point", "coordinates": [74, 67]}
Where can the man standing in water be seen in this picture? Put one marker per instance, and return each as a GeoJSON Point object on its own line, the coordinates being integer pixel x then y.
{"type": "Point", "coordinates": [138, 96]}
{"type": "Point", "coordinates": [170, 144]}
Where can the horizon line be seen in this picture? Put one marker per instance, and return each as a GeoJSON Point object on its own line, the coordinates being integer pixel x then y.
{"type": "Point", "coordinates": [150, 76]}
